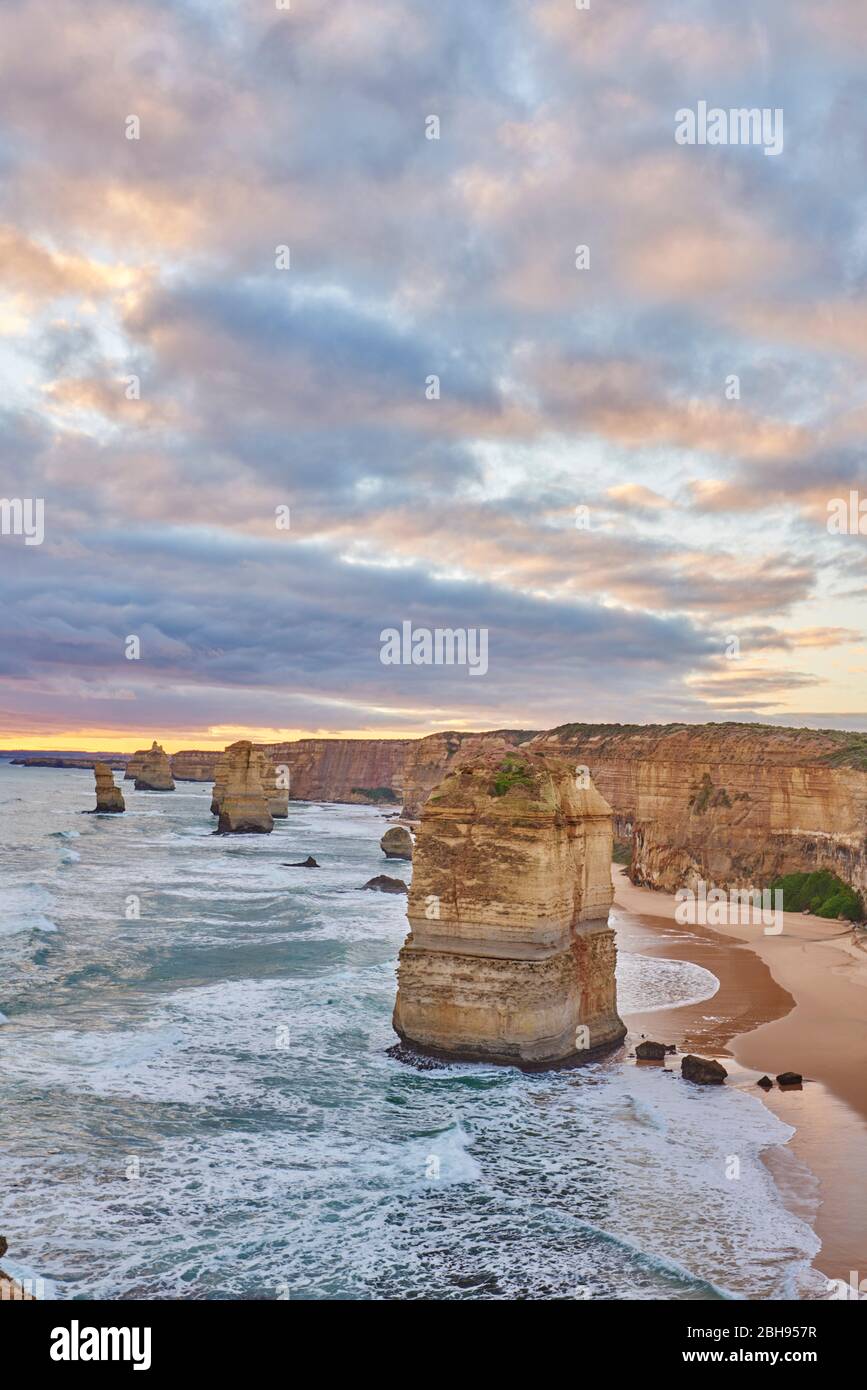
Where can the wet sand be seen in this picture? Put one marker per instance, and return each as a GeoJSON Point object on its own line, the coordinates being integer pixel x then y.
{"type": "Point", "coordinates": [790, 1002]}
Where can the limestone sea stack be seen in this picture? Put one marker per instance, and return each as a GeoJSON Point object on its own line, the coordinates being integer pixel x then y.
{"type": "Point", "coordinates": [396, 843]}
{"type": "Point", "coordinates": [276, 797]}
{"type": "Point", "coordinates": [154, 773]}
{"type": "Point", "coordinates": [219, 781]}
{"type": "Point", "coordinates": [510, 957]}
{"type": "Point", "coordinates": [109, 797]}
{"type": "Point", "coordinates": [243, 808]}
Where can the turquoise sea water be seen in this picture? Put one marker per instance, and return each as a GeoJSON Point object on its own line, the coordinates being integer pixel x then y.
{"type": "Point", "coordinates": [199, 1102]}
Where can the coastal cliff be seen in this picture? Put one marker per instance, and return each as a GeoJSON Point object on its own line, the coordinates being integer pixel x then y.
{"type": "Point", "coordinates": [733, 804]}
{"type": "Point", "coordinates": [193, 765]}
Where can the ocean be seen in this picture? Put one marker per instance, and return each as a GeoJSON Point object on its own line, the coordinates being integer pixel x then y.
{"type": "Point", "coordinates": [198, 1101]}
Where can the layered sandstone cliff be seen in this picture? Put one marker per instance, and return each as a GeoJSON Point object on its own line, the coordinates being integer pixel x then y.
{"type": "Point", "coordinates": [733, 804]}
{"type": "Point", "coordinates": [510, 956]}
{"type": "Point", "coordinates": [153, 770]}
{"type": "Point", "coordinates": [109, 797]}
{"type": "Point", "coordinates": [193, 765]}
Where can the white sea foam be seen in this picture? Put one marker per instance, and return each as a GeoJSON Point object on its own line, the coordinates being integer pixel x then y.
{"type": "Point", "coordinates": [214, 1076]}
{"type": "Point", "coordinates": [647, 984]}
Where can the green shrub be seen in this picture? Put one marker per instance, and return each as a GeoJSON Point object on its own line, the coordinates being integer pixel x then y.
{"type": "Point", "coordinates": [512, 772]}
{"type": "Point", "coordinates": [822, 893]}
{"type": "Point", "coordinates": [376, 793]}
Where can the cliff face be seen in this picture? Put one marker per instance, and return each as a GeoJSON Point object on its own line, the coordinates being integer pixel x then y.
{"type": "Point", "coordinates": [510, 956]}
{"type": "Point", "coordinates": [733, 804]}
{"type": "Point", "coordinates": [329, 769]}
{"type": "Point", "coordinates": [193, 765]}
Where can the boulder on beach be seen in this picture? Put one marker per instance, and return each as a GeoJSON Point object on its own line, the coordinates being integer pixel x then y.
{"type": "Point", "coordinates": [154, 772]}
{"type": "Point", "coordinates": [703, 1071]}
{"type": "Point", "coordinates": [652, 1051]}
{"type": "Point", "coordinates": [383, 884]}
{"type": "Point", "coordinates": [243, 809]}
{"type": "Point", "coordinates": [109, 797]}
{"type": "Point", "coordinates": [396, 843]}
{"type": "Point", "coordinates": [765, 1082]}
{"type": "Point", "coordinates": [790, 1078]}
{"type": "Point", "coordinates": [308, 863]}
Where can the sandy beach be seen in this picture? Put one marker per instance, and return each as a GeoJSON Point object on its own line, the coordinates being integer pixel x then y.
{"type": "Point", "coordinates": [796, 1001]}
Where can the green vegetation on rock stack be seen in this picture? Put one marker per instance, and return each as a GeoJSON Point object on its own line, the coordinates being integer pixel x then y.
{"type": "Point", "coordinates": [512, 772]}
{"type": "Point", "coordinates": [822, 893]}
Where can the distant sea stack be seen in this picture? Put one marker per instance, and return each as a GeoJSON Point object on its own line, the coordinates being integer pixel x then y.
{"type": "Point", "coordinates": [108, 796]}
{"type": "Point", "coordinates": [154, 773]}
{"type": "Point", "coordinates": [396, 843]}
{"type": "Point", "coordinates": [510, 957]}
{"type": "Point", "coordinates": [243, 807]}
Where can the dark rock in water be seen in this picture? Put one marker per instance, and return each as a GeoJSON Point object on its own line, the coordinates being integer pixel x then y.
{"type": "Point", "coordinates": [765, 1082]}
{"type": "Point", "coordinates": [308, 863]}
{"type": "Point", "coordinates": [401, 1053]}
{"type": "Point", "coordinates": [651, 1051]}
{"type": "Point", "coordinates": [703, 1071]}
{"type": "Point", "coordinates": [4, 1246]}
{"type": "Point", "coordinates": [383, 884]}
{"type": "Point", "coordinates": [789, 1078]}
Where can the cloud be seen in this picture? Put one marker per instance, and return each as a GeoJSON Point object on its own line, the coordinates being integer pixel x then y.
{"type": "Point", "coordinates": [414, 259]}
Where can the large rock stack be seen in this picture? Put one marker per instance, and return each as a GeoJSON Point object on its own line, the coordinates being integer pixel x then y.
{"type": "Point", "coordinates": [109, 797]}
{"type": "Point", "coordinates": [243, 807]}
{"type": "Point", "coordinates": [153, 772]}
{"type": "Point", "coordinates": [276, 797]}
{"type": "Point", "coordinates": [510, 957]}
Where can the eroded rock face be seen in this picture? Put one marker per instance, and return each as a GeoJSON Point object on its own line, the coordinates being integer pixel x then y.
{"type": "Point", "coordinates": [193, 765]}
{"type": "Point", "coordinates": [154, 773]}
{"type": "Point", "coordinates": [736, 805]}
{"type": "Point", "coordinates": [108, 796]}
{"type": "Point", "coordinates": [276, 797]}
{"type": "Point", "coordinates": [219, 787]}
{"type": "Point", "coordinates": [243, 807]}
{"type": "Point", "coordinates": [396, 843]}
{"type": "Point", "coordinates": [510, 956]}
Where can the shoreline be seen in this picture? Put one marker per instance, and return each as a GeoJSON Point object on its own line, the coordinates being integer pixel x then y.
{"type": "Point", "coordinates": [798, 1002]}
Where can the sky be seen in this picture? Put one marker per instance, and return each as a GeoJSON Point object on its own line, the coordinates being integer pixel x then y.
{"type": "Point", "coordinates": [240, 274]}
